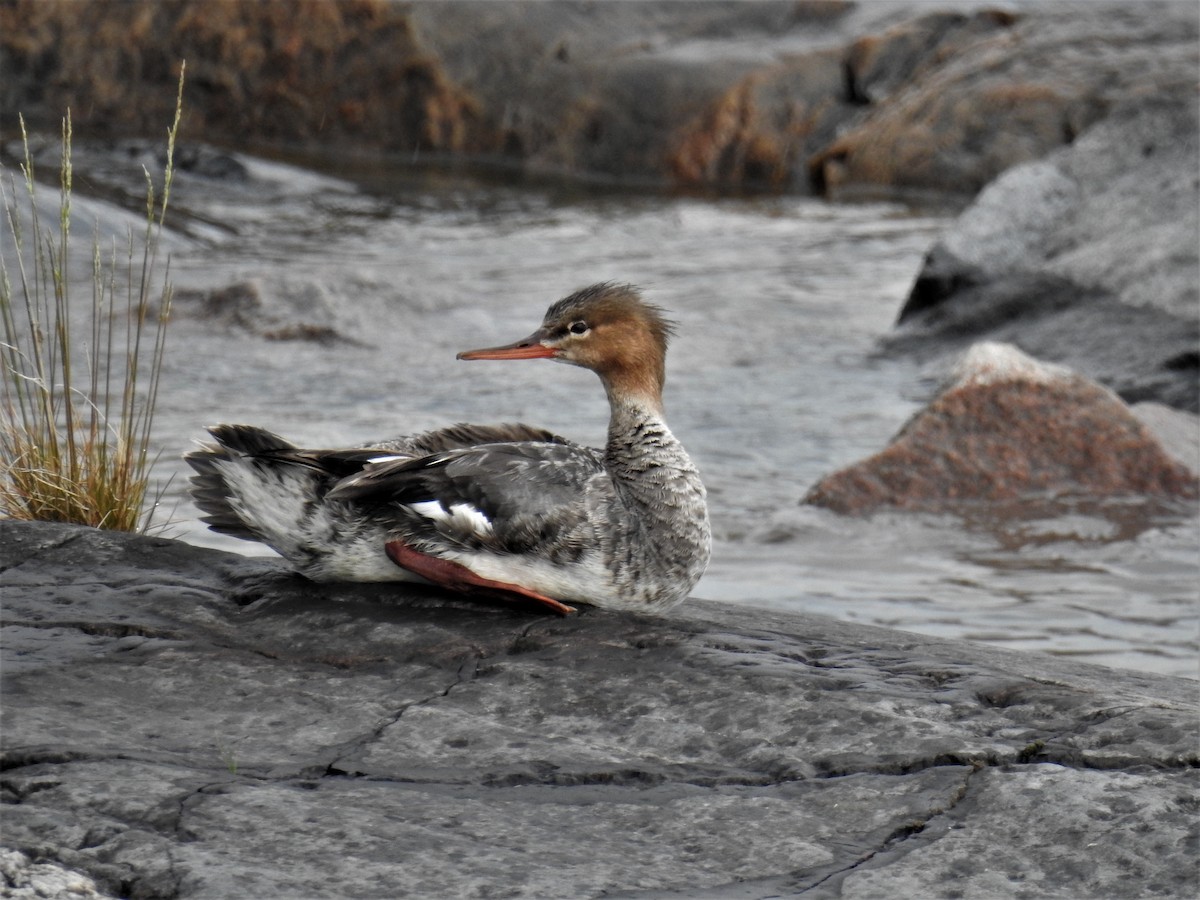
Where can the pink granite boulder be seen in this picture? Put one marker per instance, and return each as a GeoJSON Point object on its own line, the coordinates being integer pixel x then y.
{"type": "Point", "coordinates": [1008, 426]}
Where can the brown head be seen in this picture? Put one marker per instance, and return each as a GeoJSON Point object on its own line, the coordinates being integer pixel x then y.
{"type": "Point", "coordinates": [607, 328]}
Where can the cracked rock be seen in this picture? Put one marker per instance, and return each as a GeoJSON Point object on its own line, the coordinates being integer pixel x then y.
{"type": "Point", "coordinates": [184, 723]}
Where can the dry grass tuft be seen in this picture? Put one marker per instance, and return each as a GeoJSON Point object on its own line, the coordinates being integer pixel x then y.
{"type": "Point", "coordinates": [76, 411]}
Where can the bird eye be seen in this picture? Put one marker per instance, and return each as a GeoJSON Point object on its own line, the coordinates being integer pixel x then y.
{"type": "Point", "coordinates": [578, 328]}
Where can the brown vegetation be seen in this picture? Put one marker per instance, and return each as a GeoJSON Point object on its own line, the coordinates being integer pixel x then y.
{"type": "Point", "coordinates": [762, 128]}
{"type": "Point", "coordinates": [76, 411]}
{"type": "Point", "coordinates": [277, 70]}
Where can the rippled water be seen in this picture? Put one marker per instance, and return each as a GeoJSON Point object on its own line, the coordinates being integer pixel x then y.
{"type": "Point", "coordinates": [772, 383]}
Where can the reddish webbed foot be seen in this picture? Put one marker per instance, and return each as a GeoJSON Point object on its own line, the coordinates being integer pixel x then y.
{"type": "Point", "coordinates": [457, 577]}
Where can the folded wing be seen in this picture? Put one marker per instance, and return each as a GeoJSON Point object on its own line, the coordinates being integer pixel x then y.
{"type": "Point", "coordinates": [511, 497]}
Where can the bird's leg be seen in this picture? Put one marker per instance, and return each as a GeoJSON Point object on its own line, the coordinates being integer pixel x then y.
{"type": "Point", "coordinates": [457, 577]}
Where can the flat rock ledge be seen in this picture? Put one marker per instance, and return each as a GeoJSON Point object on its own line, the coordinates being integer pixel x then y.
{"type": "Point", "coordinates": [180, 722]}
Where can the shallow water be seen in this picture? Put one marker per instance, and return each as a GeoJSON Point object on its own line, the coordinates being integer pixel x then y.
{"type": "Point", "coordinates": [772, 383]}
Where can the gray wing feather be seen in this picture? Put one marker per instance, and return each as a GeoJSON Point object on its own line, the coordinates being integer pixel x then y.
{"type": "Point", "coordinates": [531, 492]}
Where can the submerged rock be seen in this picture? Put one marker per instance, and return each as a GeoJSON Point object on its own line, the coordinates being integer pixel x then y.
{"type": "Point", "coordinates": [1008, 427]}
{"type": "Point", "coordinates": [181, 722]}
{"type": "Point", "coordinates": [299, 311]}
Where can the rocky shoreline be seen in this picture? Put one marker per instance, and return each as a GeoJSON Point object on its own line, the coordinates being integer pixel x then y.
{"type": "Point", "coordinates": [828, 96]}
{"type": "Point", "coordinates": [181, 722]}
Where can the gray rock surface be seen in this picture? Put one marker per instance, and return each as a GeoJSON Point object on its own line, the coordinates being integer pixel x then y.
{"type": "Point", "coordinates": [1178, 432]}
{"type": "Point", "coordinates": [1089, 257]}
{"type": "Point", "coordinates": [979, 101]}
{"type": "Point", "coordinates": [186, 723]}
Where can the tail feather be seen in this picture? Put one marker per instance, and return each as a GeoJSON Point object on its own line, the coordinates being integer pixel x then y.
{"type": "Point", "coordinates": [249, 440]}
{"type": "Point", "coordinates": [212, 491]}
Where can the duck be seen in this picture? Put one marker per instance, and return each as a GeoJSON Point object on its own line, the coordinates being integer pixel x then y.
{"type": "Point", "coordinates": [510, 511]}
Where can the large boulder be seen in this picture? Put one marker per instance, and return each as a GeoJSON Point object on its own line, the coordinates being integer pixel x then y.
{"type": "Point", "coordinates": [1007, 428]}
{"type": "Point", "coordinates": [685, 93]}
{"type": "Point", "coordinates": [1089, 257]}
{"type": "Point", "coordinates": [979, 100]}
{"type": "Point", "coordinates": [186, 723]}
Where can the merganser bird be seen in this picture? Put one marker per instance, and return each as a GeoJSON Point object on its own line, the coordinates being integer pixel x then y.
{"type": "Point", "coordinates": [504, 510]}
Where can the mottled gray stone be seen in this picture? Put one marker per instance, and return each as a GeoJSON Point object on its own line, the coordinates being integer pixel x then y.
{"type": "Point", "coordinates": [180, 722]}
{"type": "Point", "coordinates": [23, 879]}
{"type": "Point", "coordinates": [1030, 78]}
{"type": "Point", "coordinates": [1088, 257]}
{"type": "Point", "coordinates": [1090, 815]}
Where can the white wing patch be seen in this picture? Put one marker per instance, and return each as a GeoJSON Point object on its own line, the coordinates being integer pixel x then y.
{"type": "Point", "coordinates": [383, 459]}
{"type": "Point", "coordinates": [460, 517]}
